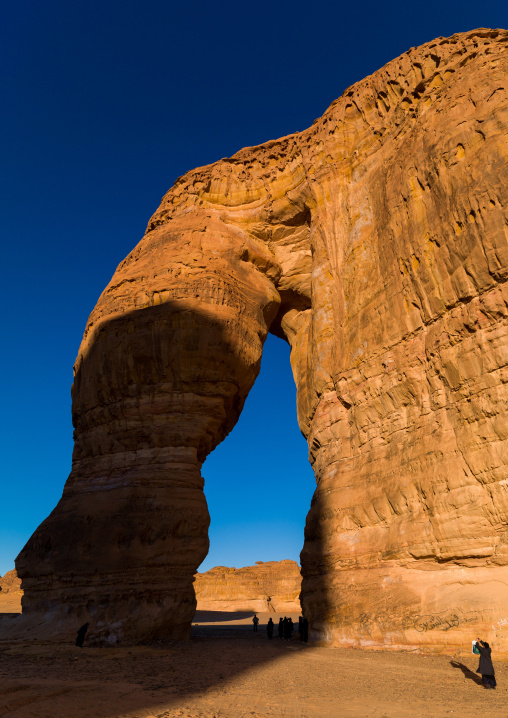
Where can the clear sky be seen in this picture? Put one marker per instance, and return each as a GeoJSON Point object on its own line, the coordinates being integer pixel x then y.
{"type": "Point", "coordinates": [104, 104]}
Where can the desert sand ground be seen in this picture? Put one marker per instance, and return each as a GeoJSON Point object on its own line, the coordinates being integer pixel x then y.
{"type": "Point", "coordinates": [228, 671]}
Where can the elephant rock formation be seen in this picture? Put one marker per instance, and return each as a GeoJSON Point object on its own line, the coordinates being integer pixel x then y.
{"type": "Point", "coordinates": [376, 244]}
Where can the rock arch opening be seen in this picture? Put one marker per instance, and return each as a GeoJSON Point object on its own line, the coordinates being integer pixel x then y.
{"type": "Point", "coordinates": [258, 482]}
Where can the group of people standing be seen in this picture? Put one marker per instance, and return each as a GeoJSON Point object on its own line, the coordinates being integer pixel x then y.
{"type": "Point", "coordinates": [285, 628]}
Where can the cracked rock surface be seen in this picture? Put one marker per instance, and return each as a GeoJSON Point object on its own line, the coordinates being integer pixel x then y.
{"type": "Point", "coordinates": [376, 244]}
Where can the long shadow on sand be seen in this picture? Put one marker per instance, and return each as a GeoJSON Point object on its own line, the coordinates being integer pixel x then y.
{"type": "Point", "coordinates": [467, 672]}
{"type": "Point", "coordinates": [222, 624]}
{"type": "Point", "coordinates": [40, 678]}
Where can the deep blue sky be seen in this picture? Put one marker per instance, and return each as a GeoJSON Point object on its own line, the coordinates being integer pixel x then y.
{"type": "Point", "coordinates": [104, 104]}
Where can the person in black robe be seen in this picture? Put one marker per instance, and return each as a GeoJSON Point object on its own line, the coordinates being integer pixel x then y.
{"type": "Point", "coordinates": [255, 622]}
{"type": "Point", "coordinates": [288, 628]}
{"type": "Point", "coordinates": [269, 628]}
{"type": "Point", "coordinates": [485, 666]}
{"type": "Point", "coordinates": [81, 635]}
{"type": "Point", "coordinates": [281, 628]}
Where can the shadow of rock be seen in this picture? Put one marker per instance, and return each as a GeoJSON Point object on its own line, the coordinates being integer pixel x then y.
{"type": "Point", "coordinates": [225, 624]}
{"type": "Point", "coordinates": [39, 678]}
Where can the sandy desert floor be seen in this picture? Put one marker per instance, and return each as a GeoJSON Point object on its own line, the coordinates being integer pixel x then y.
{"type": "Point", "coordinates": [228, 671]}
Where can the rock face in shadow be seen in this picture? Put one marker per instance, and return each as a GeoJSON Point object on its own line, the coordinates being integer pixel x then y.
{"type": "Point", "coordinates": [267, 586]}
{"type": "Point", "coordinates": [376, 243]}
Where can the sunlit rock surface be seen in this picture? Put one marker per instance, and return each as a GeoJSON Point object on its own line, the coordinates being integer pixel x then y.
{"type": "Point", "coordinates": [10, 583]}
{"type": "Point", "coordinates": [271, 586]}
{"type": "Point", "coordinates": [376, 243]}
{"type": "Point", "coordinates": [10, 593]}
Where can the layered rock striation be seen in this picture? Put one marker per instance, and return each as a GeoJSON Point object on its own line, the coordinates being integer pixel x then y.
{"type": "Point", "coordinates": [272, 586]}
{"type": "Point", "coordinates": [376, 244]}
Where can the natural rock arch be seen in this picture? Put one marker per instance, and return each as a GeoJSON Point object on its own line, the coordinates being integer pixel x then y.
{"type": "Point", "coordinates": [375, 242]}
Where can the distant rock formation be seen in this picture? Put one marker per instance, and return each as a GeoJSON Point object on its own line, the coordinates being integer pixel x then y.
{"type": "Point", "coordinates": [267, 586]}
{"type": "Point", "coordinates": [376, 244]}
{"type": "Point", "coordinates": [10, 583]}
{"type": "Point", "coordinates": [10, 593]}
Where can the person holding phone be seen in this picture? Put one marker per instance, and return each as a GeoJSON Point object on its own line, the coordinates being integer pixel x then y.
{"type": "Point", "coordinates": [485, 666]}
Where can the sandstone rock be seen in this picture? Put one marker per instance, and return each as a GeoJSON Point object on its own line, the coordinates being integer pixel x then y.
{"type": "Point", "coordinates": [10, 593]}
{"type": "Point", "coordinates": [10, 583]}
{"type": "Point", "coordinates": [267, 586]}
{"type": "Point", "coordinates": [376, 243]}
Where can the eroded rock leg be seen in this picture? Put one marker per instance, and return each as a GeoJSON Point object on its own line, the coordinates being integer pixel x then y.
{"type": "Point", "coordinates": [169, 355]}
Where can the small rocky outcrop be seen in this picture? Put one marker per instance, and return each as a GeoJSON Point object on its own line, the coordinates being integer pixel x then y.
{"type": "Point", "coordinates": [267, 586]}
